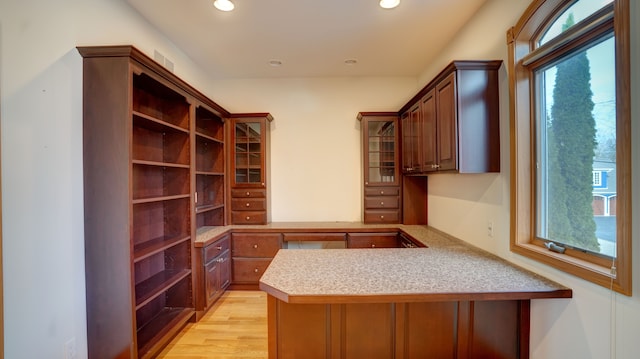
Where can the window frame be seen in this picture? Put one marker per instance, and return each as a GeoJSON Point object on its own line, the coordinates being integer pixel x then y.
{"type": "Point", "coordinates": [524, 57]}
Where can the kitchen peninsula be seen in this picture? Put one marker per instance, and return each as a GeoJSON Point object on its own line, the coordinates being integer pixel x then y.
{"type": "Point", "coordinates": [447, 300]}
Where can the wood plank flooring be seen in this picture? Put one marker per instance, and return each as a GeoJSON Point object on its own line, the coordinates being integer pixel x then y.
{"type": "Point", "coordinates": [235, 327]}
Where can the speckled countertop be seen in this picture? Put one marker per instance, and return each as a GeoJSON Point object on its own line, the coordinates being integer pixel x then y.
{"type": "Point", "coordinates": [449, 269]}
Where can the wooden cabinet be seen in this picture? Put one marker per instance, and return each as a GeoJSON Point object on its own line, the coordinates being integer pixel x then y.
{"type": "Point", "coordinates": [217, 269]}
{"type": "Point", "coordinates": [251, 255]}
{"type": "Point", "coordinates": [381, 160]}
{"type": "Point", "coordinates": [411, 144]}
{"type": "Point", "coordinates": [459, 120]}
{"type": "Point", "coordinates": [140, 161]}
{"type": "Point", "coordinates": [249, 178]}
{"type": "Point", "coordinates": [373, 240]}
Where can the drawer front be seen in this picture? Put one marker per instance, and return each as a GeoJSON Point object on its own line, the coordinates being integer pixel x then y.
{"type": "Point", "coordinates": [382, 202]}
{"type": "Point", "coordinates": [248, 217]}
{"type": "Point", "coordinates": [248, 193]}
{"type": "Point", "coordinates": [315, 237]}
{"type": "Point", "coordinates": [372, 240]}
{"type": "Point", "coordinates": [248, 204]}
{"type": "Point", "coordinates": [248, 270]}
{"type": "Point", "coordinates": [255, 245]}
{"type": "Point", "coordinates": [378, 216]}
{"type": "Point", "coordinates": [216, 248]}
{"type": "Point", "coordinates": [381, 191]}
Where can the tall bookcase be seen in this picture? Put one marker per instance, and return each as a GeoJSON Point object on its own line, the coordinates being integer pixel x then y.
{"type": "Point", "coordinates": [153, 173]}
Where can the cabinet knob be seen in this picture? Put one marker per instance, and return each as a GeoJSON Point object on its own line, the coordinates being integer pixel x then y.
{"type": "Point", "coordinates": [373, 246]}
{"type": "Point", "coordinates": [247, 204]}
{"type": "Point", "coordinates": [382, 203]}
{"type": "Point", "coordinates": [219, 248]}
{"type": "Point", "coordinates": [381, 217]}
{"type": "Point", "coordinates": [248, 193]}
{"type": "Point", "coordinates": [247, 218]}
{"type": "Point", "coordinates": [381, 192]}
{"type": "Point", "coordinates": [367, 183]}
{"type": "Point", "coordinates": [262, 184]}
{"type": "Point", "coordinates": [256, 270]}
{"type": "Point", "coordinates": [255, 246]}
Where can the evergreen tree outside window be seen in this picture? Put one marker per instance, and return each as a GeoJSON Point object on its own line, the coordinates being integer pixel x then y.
{"type": "Point", "coordinates": [569, 78]}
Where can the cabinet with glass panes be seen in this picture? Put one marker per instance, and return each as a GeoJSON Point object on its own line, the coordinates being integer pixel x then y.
{"type": "Point", "coordinates": [249, 177]}
{"type": "Point", "coordinates": [382, 189]}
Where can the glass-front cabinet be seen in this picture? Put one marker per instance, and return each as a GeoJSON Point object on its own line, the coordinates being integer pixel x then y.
{"type": "Point", "coordinates": [249, 182]}
{"type": "Point", "coordinates": [381, 158]}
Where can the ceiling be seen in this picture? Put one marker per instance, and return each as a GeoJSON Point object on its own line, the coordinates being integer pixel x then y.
{"type": "Point", "coordinates": [312, 38]}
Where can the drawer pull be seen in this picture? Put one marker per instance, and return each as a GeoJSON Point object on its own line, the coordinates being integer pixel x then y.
{"type": "Point", "coordinates": [247, 204]}
{"type": "Point", "coordinates": [381, 217]}
{"type": "Point", "coordinates": [248, 194]}
{"type": "Point", "coordinates": [381, 192]}
{"type": "Point", "coordinates": [382, 203]}
{"type": "Point", "coordinates": [247, 218]}
{"type": "Point", "coordinates": [219, 248]}
{"type": "Point", "coordinates": [255, 246]}
{"type": "Point", "coordinates": [256, 270]}
{"type": "Point", "coordinates": [373, 246]}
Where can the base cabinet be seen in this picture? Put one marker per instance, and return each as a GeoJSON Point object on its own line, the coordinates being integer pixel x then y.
{"type": "Point", "coordinates": [251, 255]}
{"type": "Point", "coordinates": [451, 329]}
{"type": "Point", "coordinates": [217, 269]}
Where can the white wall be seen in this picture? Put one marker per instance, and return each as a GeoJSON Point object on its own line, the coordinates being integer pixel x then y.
{"type": "Point", "coordinates": [595, 323]}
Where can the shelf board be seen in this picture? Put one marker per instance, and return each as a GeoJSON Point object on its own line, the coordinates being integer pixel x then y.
{"type": "Point", "coordinates": [207, 137]}
{"type": "Point", "coordinates": [207, 208]}
{"type": "Point", "coordinates": [155, 245]}
{"type": "Point", "coordinates": [149, 289]}
{"type": "Point", "coordinates": [208, 173]}
{"type": "Point", "coordinates": [155, 124]}
{"type": "Point", "coordinates": [159, 164]}
{"type": "Point", "coordinates": [160, 199]}
{"type": "Point", "coordinates": [153, 336]}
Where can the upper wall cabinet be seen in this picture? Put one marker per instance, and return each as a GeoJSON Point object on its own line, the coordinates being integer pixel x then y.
{"type": "Point", "coordinates": [453, 123]}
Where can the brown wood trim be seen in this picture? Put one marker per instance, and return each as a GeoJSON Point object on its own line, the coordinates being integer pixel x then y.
{"type": "Point", "coordinates": [266, 115]}
{"type": "Point", "coordinates": [524, 325]}
{"type": "Point", "coordinates": [1, 265]}
{"type": "Point", "coordinates": [134, 53]}
{"type": "Point", "coordinates": [272, 326]}
{"type": "Point", "coordinates": [377, 114]}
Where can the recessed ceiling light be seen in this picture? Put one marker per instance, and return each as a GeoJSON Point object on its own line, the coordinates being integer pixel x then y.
{"type": "Point", "coordinates": [275, 63]}
{"type": "Point", "coordinates": [223, 5]}
{"type": "Point", "coordinates": [389, 4]}
{"type": "Point", "coordinates": [350, 61]}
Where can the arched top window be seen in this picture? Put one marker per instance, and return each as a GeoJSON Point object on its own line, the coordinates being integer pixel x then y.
{"type": "Point", "coordinates": [569, 76]}
{"type": "Point", "coordinates": [573, 14]}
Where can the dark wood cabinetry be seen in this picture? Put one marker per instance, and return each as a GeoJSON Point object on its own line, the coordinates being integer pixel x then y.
{"type": "Point", "coordinates": [458, 115]}
{"type": "Point", "coordinates": [251, 255]}
{"type": "Point", "coordinates": [217, 269]}
{"type": "Point", "coordinates": [142, 168]}
{"type": "Point", "coordinates": [381, 159]}
{"type": "Point", "coordinates": [373, 240]}
{"type": "Point", "coordinates": [249, 178]}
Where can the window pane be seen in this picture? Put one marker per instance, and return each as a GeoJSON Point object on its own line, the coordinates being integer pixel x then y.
{"type": "Point", "coordinates": [576, 150]}
{"type": "Point", "coordinates": [574, 14]}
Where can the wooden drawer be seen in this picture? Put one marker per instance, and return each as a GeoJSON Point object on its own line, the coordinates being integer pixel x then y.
{"type": "Point", "coordinates": [249, 217]}
{"type": "Point", "coordinates": [255, 245]}
{"type": "Point", "coordinates": [248, 204]}
{"type": "Point", "coordinates": [248, 193]}
{"type": "Point", "coordinates": [315, 237]}
{"type": "Point", "coordinates": [246, 270]}
{"type": "Point", "coordinates": [381, 191]}
{"type": "Point", "coordinates": [381, 216]}
{"type": "Point", "coordinates": [216, 248]}
{"type": "Point", "coordinates": [382, 202]}
{"type": "Point", "coordinates": [372, 240]}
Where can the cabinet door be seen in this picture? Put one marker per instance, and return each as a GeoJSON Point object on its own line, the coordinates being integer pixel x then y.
{"type": "Point", "coordinates": [212, 281]}
{"type": "Point", "coordinates": [248, 152]}
{"type": "Point", "coordinates": [411, 140]}
{"type": "Point", "coordinates": [380, 151]}
{"type": "Point", "coordinates": [429, 134]}
{"type": "Point", "coordinates": [446, 109]}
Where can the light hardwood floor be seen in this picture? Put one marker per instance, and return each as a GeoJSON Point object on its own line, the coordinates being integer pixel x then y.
{"type": "Point", "coordinates": [235, 327]}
